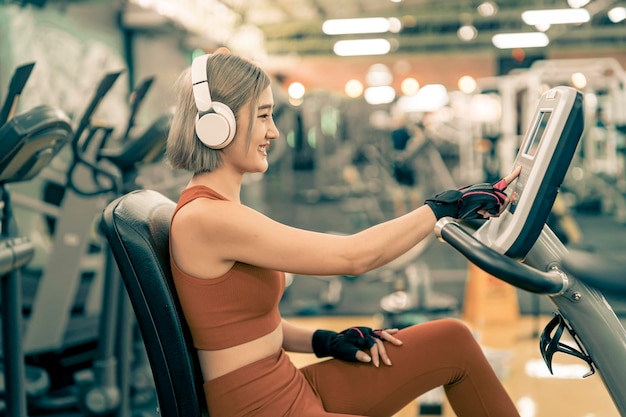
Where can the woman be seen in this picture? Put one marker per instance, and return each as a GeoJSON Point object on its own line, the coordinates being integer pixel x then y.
{"type": "Point", "coordinates": [226, 259]}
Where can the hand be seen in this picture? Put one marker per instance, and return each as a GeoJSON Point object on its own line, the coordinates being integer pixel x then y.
{"type": "Point", "coordinates": [351, 344]}
{"type": "Point", "coordinates": [473, 202]}
{"type": "Point", "coordinates": [501, 185]}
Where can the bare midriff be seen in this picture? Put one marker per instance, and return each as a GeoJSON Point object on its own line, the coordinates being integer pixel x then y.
{"type": "Point", "coordinates": [215, 363]}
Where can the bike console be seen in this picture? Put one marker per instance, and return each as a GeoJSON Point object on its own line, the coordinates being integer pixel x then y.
{"type": "Point", "coordinates": [544, 155]}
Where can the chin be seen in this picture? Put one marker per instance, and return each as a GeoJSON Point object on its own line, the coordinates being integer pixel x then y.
{"type": "Point", "coordinates": [260, 169]}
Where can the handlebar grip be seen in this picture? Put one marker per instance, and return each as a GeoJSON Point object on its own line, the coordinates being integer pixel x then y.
{"type": "Point", "coordinates": [496, 264]}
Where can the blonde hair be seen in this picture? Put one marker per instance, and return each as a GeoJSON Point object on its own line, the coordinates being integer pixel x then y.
{"type": "Point", "coordinates": [233, 81]}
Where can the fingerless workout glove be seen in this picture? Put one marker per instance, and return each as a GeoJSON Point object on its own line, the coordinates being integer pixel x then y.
{"type": "Point", "coordinates": [465, 202]}
{"type": "Point", "coordinates": [343, 345]}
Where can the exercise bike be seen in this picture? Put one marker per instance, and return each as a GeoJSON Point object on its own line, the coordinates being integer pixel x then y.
{"type": "Point", "coordinates": [520, 249]}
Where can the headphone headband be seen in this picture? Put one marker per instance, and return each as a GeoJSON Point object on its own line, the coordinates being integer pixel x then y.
{"type": "Point", "coordinates": [200, 83]}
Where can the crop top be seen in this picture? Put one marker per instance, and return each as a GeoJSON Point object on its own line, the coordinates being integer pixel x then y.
{"type": "Point", "coordinates": [239, 306]}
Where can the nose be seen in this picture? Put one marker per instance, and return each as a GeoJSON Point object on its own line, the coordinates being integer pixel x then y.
{"type": "Point", "coordinates": [272, 132]}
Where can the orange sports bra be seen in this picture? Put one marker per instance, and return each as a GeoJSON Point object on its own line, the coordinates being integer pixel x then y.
{"type": "Point", "coordinates": [240, 306]}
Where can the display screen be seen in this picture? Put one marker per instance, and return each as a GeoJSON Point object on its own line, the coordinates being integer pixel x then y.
{"type": "Point", "coordinates": [537, 133]}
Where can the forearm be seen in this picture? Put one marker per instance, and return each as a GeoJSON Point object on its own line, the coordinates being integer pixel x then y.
{"type": "Point", "coordinates": [296, 338]}
{"type": "Point", "coordinates": [380, 244]}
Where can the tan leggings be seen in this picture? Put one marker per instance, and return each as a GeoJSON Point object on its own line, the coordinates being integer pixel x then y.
{"type": "Point", "coordinates": [433, 354]}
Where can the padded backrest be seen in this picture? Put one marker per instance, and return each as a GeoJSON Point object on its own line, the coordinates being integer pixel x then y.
{"type": "Point", "coordinates": [137, 226]}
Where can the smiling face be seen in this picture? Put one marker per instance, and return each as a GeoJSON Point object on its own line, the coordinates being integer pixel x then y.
{"type": "Point", "coordinates": [251, 156]}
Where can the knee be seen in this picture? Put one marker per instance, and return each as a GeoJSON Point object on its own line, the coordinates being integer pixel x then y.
{"type": "Point", "coordinates": [457, 331]}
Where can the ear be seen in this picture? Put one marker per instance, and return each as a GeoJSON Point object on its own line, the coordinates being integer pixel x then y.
{"type": "Point", "coordinates": [222, 50]}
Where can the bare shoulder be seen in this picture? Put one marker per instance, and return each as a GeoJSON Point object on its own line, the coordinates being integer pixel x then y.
{"type": "Point", "coordinates": [205, 212]}
{"type": "Point", "coordinates": [199, 231]}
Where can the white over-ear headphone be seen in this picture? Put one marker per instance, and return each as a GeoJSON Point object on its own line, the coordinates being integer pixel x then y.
{"type": "Point", "coordinates": [215, 122]}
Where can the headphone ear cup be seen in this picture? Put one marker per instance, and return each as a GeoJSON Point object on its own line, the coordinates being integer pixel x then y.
{"type": "Point", "coordinates": [217, 128]}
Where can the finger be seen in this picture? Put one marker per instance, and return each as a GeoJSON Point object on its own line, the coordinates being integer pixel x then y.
{"type": "Point", "coordinates": [387, 335]}
{"type": "Point", "coordinates": [484, 213]}
{"type": "Point", "coordinates": [513, 174]}
{"type": "Point", "coordinates": [507, 201]}
{"type": "Point", "coordinates": [374, 353]}
{"type": "Point", "coordinates": [382, 353]}
{"type": "Point", "coordinates": [504, 182]}
{"type": "Point", "coordinates": [362, 356]}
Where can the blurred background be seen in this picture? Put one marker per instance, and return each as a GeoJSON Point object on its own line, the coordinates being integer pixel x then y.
{"type": "Point", "coordinates": [380, 104]}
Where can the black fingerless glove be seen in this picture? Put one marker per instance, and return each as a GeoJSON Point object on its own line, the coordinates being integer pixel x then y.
{"type": "Point", "coordinates": [465, 202]}
{"type": "Point", "coordinates": [343, 345]}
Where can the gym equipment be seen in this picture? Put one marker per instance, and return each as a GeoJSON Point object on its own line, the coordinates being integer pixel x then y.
{"type": "Point", "coordinates": [59, 346]}
{"type": "Point", "coordinates": [550, 161]}
{"type": "Point", "coordinates": [519, 248]}
{"type": "Point", "coordinates": [68, 260]}
{"type": "Point", "coordinates": [137, 228]}
{"type": "Point", "coordinates": [215, 122]}
{"type": "Point", "coordinates": [85, 334]}
{"type": "Point", "coordinates": [28, 142]}
{"type": "Point", "coordinates": [105, 388]}
{"type": "Point", "coordinates": [16, 86]}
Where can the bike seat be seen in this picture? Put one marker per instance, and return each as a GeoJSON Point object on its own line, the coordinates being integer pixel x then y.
{"type": "Point", "coordinates": [597, 270]}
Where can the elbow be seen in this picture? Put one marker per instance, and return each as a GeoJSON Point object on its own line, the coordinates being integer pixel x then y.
{"type": "Point", "coordinates": [359, 266]}
{"type": "Point", "coordinates": [354, 271]}
{"type": "Point", "coordinates": [357, 259]}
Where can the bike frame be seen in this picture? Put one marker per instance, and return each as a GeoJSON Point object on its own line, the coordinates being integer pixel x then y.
{"type": "Point", "coordinates": [590, 318]}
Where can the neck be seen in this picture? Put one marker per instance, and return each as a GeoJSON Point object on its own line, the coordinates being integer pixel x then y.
{"type": "Point", "coordinates": [227, 185]}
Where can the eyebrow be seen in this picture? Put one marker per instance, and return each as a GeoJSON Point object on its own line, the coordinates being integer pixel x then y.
{"type": "Point", "coordinates": [265, 106]}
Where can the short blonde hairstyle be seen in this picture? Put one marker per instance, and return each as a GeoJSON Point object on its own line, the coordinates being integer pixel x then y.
{"type": "Point", "coordinates": [233, 81]}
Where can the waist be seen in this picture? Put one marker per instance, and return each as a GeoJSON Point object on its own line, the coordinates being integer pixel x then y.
{"type": "Point", "coordinates": [215, 363]}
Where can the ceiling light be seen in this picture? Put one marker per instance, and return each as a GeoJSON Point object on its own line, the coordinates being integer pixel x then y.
{"type": "Point", "coordinates": [555, 16]}
{"type": "Point", "coordinates": [617, 14]}
{"type": "Point", "coordinates": [467, 84]}
{"type": "Point", "coordinates": [579, 80]}
{"type": "Point", "coordinates": [467, 33]}
{"type": "Point", "coordinates": [487, 9]}
{"type": "Point", "coordinates": [357, 47]}
{"type": "Point", "coordinates": [520, 40]}
{"type": "Point", "coordinates": [395, 25]}
{"type": "Point", "coordinates": [577, 3]}
{"type": "Point", "coordinates": [429, 98]}
{"type": "Point", "coordinates": [379, 95]}
{"type": "Point", "coordinates": [409, 86]}
{"type": "Point", "coordinates": [353, 26]}
{"type": "Point", "coordinates": [353, 88]}
{"type": "Point", "coordinates": [378, 74]}
{"type": "Point", "coordinates": [296, 90]}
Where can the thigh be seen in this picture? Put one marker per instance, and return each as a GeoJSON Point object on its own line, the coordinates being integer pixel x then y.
{"type": "Point", "coordinates": [270, 387]}
{"type": "Point", "coordinates": [431, 355]}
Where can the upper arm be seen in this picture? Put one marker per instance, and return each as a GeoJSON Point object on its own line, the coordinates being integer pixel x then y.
{"type": "Point", "coordinates": [222, 231]}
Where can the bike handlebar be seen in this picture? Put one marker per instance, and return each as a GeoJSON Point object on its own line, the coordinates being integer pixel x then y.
{"type": "Point", "coordinates": [501, 266]}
